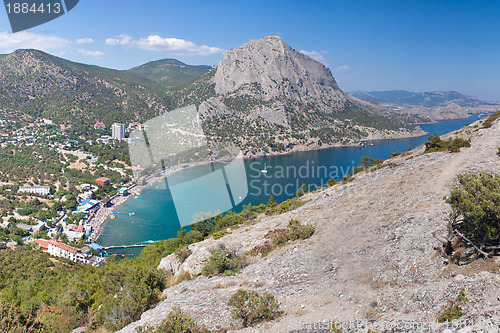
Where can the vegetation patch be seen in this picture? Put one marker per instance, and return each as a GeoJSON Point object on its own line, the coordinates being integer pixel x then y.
{"type": "Point", "coordinates": [453, 145]}
{"type": "Point", "coordinates": [176, 322]}
{"type": "Point", "coordinates": [475, 215]}
{"type": "Point", "coordinates": [279, 237]}
{"type": "Point", "coordinates": [453, 310]}
{"type": "Point", "coordinates": [223, 263]}
{"type": "Point", "coordinates": [367, 163]}
{"type": "Point", "coordinates": [491, 119]}
{"type": "Point", "coordinates": [252, 308]}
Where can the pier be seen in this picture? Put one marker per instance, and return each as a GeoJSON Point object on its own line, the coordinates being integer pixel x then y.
{"type": "Point", "coordinates": [127, 246]}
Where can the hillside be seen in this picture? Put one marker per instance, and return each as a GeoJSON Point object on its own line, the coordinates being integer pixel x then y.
{"type": "Point", "coordinates": [34, 84]}
{"type": "Point", "coordinates": [170, 73]}
{"type": "Point", "coordinates": [434, 105]}
{"type": "Point", "coordinates": [372, 255]}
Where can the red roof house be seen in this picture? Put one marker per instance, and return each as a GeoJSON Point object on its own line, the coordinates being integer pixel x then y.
{"type": "Point", "coordinates": [103, 181]}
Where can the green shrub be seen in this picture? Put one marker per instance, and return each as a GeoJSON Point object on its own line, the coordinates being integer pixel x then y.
{"type": "Point", "coordinates": [223, 264]}
{"type": "Point", "coordinates": [491, 119]}
{"type": "Point", "coordinates": [302, 190]}
{"type": "Point", "coordinates": [457, 143]}
{"type": "Point", "coordinates": [435, 143]}
{"type": "Point", "coordinates": [453, 310]}
{"type": "Point", "coordinates": [333, 181]}
{"type": "Point", "coordinates": [498, 151]}
{"type": "Point", "coordinates": [252, 308]}
{"type": "Point", "coordinates": [176, 322]}
{"type": "Point", "coordinates": [284, 207]}
{"type": "Point", "coordinates": [12, 321]}
{"type": "Point", "coordinates": [477, 200]}
{"type": "Point", "coordinates": [183, 254]}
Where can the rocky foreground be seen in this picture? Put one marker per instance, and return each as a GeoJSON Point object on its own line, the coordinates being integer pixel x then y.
{"type": "Point", "coordinates": [371, 260]}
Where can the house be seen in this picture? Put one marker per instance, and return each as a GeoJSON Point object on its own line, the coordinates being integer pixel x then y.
{"type": "Point", "coordinates": [87, 206]}
{"type": "Point", "coordinates": [43, 244]}
{"type": "Point", "coordinates": [75, 227]}
{"type": "Point", "coordinates": [102, 181]}
{"type": "Point", "coordinates": [43, 190]}
{"type": "Point", "coordinates": [134, 125]}
{"type": "Point", "coordinates": [118, 131]}
{"type": "Point", "coordinates": [99, 126]}
{"type": "Point", "coordinates": [106, 202]}
{"type": "Point", "coordinates": [26, 227]}
{"type": "Point", "coordinates": [96, 261]}
{"type": "Point", "coordinates": [73, 236]}
{"type": "Point", "coordinates": [59, 249]}
{"type": "Point", "coordinates": [123, 191]}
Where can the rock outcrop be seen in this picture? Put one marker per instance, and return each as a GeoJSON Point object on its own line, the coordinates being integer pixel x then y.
{"type": "Point", "coordinates": [279, 100]}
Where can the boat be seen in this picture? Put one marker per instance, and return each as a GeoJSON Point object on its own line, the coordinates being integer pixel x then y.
{"type": "Point", "coordinates": [265, 169]}
{"type": "Point", "coordinates": [112, 217]}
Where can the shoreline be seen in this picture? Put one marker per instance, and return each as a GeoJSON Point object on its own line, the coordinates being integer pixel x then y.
{"type": "Point", "coordinates": [99, 218]}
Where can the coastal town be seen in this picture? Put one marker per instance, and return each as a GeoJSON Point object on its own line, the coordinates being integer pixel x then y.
{"type": "Point", "coordinates": [64, 216]}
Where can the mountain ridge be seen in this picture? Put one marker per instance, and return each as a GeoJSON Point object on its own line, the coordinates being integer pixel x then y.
{"type": "Point", "coordinates": [435, 105]}
{"type": "Point", "coordinates": [264, 96]}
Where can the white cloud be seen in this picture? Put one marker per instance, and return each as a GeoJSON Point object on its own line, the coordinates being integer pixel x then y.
{"type": "Point", "coordinates": [316, 55]}
{"type": "Point", "coordinates": [342, 69]}
{"type": "Point", "coordinates": [10, 42]}
{"type": "Point", "coordinates": [89, 53]}
{"type": "Point", "coordinates": [84, 41]}
{"type": "Point", "coordinates": [161, 44]}
{"type": "Point", "coordinates": [121, 39]}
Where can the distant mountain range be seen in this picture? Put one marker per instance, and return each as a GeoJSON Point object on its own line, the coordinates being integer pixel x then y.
{"type": "Point", "coordinates": [264, 96]}
{"type": "Point", "coordinates": [435, 105]}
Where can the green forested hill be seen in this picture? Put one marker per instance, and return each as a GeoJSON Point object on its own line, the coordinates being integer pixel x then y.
{"type": "Point", "coordinates": [170, 73]}
{"type": "Point", "coordinates": [35, 84]}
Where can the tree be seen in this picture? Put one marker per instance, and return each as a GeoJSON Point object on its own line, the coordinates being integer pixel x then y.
{"type": "Point", "coordinates": [475, 215]}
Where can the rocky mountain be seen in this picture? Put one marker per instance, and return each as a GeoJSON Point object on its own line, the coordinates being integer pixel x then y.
{"type": "Point", "coordinates": [372, 259]}
{"type": "Point", "coordinates": [433, 105]}
{"type": "Point", "coordinates": [264, 96]}
{"type": "Point", "coordinates": [278, 99]}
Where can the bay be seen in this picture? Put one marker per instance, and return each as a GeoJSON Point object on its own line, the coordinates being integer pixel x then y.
{"type": "Point", "coordinates": [155, 216]}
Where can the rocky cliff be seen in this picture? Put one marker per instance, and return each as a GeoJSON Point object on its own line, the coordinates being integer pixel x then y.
{"type": "Point", "coordinates": [279, 100]}
{"type": "Point", "coordinates": [372, 256]}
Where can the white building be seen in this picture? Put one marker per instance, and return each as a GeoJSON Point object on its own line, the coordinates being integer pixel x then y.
{"type": "Point", "coordinates": [59, 249]}
{"type": "Point", "coordinates": [43, 190]}
{"type": "Point", "coordinates": [118, 131]}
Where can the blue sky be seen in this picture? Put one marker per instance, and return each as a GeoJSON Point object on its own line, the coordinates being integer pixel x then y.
{"type": "Point", "coordinates": [368, 45]}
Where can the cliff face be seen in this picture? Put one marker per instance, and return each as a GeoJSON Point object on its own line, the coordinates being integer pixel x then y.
{"type": "Point", "coordinates": [278, 100]}
{"type": "Point", "coordinates": [371, 257]}
{"type": "Point", "coordinates": [279, 71]}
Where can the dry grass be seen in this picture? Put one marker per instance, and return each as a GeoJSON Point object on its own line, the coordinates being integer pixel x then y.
{"type": "Point", "coordinates": [173, 280]}
{"type": "Point", "coordinates": [378, 284]}
{"type": "Point", "coordinates": [371, 314]}
{"type": "Point", "coordinates": [477, 266]}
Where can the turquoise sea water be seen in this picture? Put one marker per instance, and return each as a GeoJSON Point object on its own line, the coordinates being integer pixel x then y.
{"type": "Point", "coordinates": [155, 215]}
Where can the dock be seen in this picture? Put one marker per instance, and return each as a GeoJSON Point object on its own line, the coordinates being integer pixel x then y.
{"type": "Point", "coordinates": [127, 246]}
